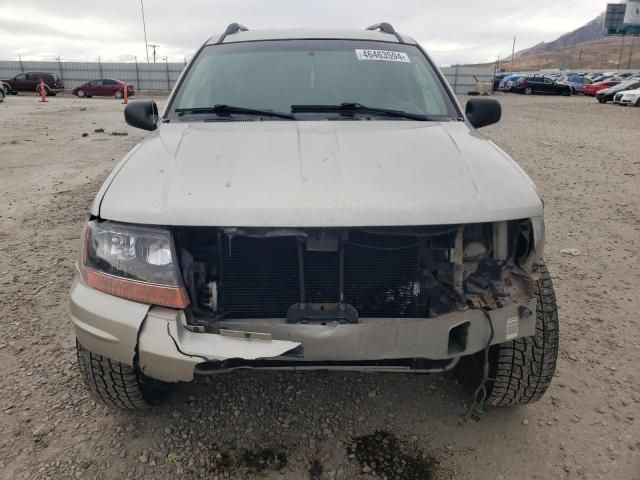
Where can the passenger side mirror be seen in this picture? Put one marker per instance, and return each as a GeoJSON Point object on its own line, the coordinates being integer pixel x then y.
{"type": "Point", "coordinates": [142, 114]}
{"type": "Point", "coordinates": [483, 111]}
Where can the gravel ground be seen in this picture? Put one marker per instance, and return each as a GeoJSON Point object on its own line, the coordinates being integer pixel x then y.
{"type": "Point", "coordinates": [325, 425]}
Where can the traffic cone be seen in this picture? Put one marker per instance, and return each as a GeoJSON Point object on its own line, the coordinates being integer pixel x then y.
{"type": "Point", "coordinates": [126, 94]}
{"type": "Point", "coordinates": [43, 93]}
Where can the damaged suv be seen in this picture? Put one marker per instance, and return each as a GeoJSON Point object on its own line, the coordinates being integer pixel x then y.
{"type": "Point", "coordinates": [314, 199]}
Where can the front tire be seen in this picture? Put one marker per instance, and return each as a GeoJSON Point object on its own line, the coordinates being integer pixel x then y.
{"type": "Point", "coordinates": [520, 370]}
{"type": "Point", "coordinates": [528, 91]}
{"type": "Point", "coordinates": [80, 93]}
{"type": "Point", "coordinates": [117, 385]}
{"type": "Point", "coordinates": [118, 94]}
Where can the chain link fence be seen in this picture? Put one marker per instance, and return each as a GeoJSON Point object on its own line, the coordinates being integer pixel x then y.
{"type": "Point", "coordinates": [143, 76]}
{"type": "Point", "coordinates": [163, 75]}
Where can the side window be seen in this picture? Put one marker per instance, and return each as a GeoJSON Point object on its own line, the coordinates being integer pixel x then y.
{"type": "Point", "coordinates": [548, 81]}
{"type": "Point", "coordinates": [109, 82]}
{"type": "Point", "coordinates": [33, 76]}
{"type": "Point", "coordinates": [96, 83]}
{"type": "Point", "coordinates": [21, 77]}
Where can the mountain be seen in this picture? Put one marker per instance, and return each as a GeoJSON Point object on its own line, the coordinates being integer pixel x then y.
{"type": "Point", "coordinates": [594, 30]}
{"type": "Point", "coordinates": [586, 48]}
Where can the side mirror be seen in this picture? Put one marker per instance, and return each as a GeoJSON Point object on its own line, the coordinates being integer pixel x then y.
{"type": "Point", "coordinates": [142, 114]}
{"type": "Point", "coordinates": [483, 111]}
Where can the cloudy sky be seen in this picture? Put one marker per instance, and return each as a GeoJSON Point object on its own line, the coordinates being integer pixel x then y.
{"type": "Point", "coordinates": [463, 30]}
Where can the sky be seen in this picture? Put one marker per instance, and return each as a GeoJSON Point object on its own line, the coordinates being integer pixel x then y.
{"type": "Point", "coordinates": [465, 31]}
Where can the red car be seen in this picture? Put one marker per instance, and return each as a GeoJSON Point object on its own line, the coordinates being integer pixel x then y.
{"type": "Point", "coordinates": [104, 87]}
{"type": "Point", "coordinates": [594, 88]}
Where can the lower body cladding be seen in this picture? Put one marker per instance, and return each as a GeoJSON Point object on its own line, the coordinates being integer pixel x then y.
{"type": "Point", "coordinates": [168, 350]}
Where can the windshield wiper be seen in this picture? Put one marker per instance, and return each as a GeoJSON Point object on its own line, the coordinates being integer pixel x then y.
{"type": "Point", "coordinates": [227, 110]}
{"type": "Point", "coordinates": [353, 107]}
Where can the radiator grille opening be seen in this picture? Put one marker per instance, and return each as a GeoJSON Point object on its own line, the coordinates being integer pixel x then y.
{"type": "Point", "coordinates": [261, 276]}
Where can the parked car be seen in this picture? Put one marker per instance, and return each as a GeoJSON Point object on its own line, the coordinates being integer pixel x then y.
{"type": "Point", "coordinates": [608, 94]}
{"type": "Point", "coordinates": [497, 79]}
{"type": "Point", "coordinates": [592, 89]}
{"type": "Point", "coordinates": [30, 82]}
{"type": "Point", "coordinates": [507, 83]}
{"type": "Point", "coordinates": [104, 87]}
{"type": "Point", "coordinates": [576, 82]}
{"type": "Point", "coordinates": [300, 241]}
{"type": "Point", "coordinates": [628, 98]}
{"type": "Point", "coordinates": [540, 84]}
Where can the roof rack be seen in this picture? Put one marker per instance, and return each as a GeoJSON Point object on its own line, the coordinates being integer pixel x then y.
{"type": "Point", "coordinates": [386, 27]}
{"type": "Point", "coordinates": [231, 29]}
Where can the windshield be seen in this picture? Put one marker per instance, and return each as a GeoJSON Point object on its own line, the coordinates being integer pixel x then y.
{"type": "Point", "coordinates": [276, 75]}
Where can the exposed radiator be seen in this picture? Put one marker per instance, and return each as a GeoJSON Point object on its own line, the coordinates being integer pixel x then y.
{"type": "Point", "coordinates": [261, 276]}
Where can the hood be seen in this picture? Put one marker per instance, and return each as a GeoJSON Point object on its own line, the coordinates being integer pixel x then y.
{"type": "Point", "coordinates": [316, 174]}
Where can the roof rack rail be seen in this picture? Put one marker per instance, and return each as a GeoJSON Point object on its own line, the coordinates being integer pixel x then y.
{"type": "Point", "coordinates": [386, 27]}
{"type": "Point", "coordinates": [231, 29]}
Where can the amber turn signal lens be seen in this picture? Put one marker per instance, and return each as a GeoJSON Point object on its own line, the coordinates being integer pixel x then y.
{"type": "Point", "coordinates": [174, 297]}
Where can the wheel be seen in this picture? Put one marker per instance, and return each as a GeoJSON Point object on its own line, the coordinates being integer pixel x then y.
{"type": "Point", "coordinates": [638, 103]}
{"type": "Point", "coordinates": [117, 385]}
{"type": "Point", "coordinates": [118, 94]}
{"type": "Point", "coordinates": [602, 100]}
{"type": "Point", "coordinates": [520, 370]}
{"type": "Point", "coordinates": [1, 96]}
{"type": "Point", "coordinates": [80, 93]}
{"type": "Point", "coordinates": [528, 91]}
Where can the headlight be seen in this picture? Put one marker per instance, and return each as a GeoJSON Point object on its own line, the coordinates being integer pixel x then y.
{"type": "Point", "coordinates": [133, 262]}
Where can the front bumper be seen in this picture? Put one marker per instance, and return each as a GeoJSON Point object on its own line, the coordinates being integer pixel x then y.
{"type": "Point", "coordinates": [168, 350]}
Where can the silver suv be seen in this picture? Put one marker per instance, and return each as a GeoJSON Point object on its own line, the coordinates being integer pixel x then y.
{"type": "Point", "coordinates": [314, 199]}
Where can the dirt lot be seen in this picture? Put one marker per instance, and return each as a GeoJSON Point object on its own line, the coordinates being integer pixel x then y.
{"type": "Point", "coordinates": [323, 425]}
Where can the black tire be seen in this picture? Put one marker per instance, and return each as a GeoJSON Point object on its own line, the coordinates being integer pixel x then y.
{"type": "Point", "coordinates": [80, 93]}
{"type": "Point", "coordinates": [117, 385]}
{"type": "Point", "coordinates": [602, 100]}
{"type": "Point", "coordinates": [118, 94]}
{"type": "Point", "coordinates": [1, 96]}
{"type": "Point", "coordinates": [520, 371]}
{"type": "Point", "coordinates": [528, 91]}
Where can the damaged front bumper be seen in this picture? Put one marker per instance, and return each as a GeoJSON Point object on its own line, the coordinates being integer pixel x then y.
{"type": "Point", "coordinates": [167, 349]}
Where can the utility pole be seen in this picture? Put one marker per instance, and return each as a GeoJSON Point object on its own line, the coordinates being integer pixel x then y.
{"type": "Point", "coordinates": [144, 27]}
{"type": "Point", "coordinates": [621, 49]}
{"type": "Point", "coordinates": [513, 52]}
{"type": "Point", "coordinates": [580, 59]}
{"type": "Point", "coordinates": [631, 52]}
{"type": "Point", "coordinates": [21, 65]}
{"type": "Point", "coordinates": [154, 46]}
{"type": "Point", "coordinates": [60, 66]}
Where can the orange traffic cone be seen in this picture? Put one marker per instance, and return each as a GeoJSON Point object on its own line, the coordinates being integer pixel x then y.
{"type": "Point", "coordinates": [43, 92]}
{"type": "Point", "coordinates": [126, 94]}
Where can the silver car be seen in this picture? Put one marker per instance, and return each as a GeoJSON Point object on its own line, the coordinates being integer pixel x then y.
{"type": "Point", "coordinates": [314, 199]}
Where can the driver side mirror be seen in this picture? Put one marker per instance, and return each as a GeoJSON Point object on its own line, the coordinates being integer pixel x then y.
{"type": "Point", "coordinates": [142, 114]}
{"type": "Point", "coordinates": [483, 111]}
